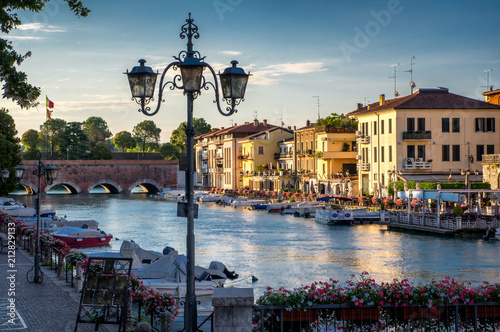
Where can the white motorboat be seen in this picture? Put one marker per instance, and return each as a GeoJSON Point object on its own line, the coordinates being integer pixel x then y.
{"type": "Point", "coordinates": [210, 198]}
{"type": "Point", "coordinates": [247, 202]}
{"type": "Point", "coordinates": [334, 216]}
{"type": "Point", "coordinates": [167, 272]}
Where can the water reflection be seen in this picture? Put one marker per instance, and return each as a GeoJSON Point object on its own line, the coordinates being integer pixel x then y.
{"type": "Point", "coordinates": [283, 250]}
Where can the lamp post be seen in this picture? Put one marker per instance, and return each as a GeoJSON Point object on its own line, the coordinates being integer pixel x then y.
{"type": "Point", "coordinates": [50, 172]}
{"type": "Point", "coordinates": [142, 80]}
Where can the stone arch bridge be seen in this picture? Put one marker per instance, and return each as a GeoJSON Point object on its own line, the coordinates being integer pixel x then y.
{"type": "Point", "coordinates": [116, 176]}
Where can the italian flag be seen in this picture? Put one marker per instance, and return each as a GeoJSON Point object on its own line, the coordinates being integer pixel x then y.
{"type": "Point", "coordinates": [49, 105]}
{"type": "Point", "coordinates": [449, 177]}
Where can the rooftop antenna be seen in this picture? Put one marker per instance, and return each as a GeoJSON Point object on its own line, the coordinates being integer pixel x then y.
{"type": "Point", "coordinates": [317, 104]}
{"type": "Point", "coordinates": [366, 100]}
{"type": "Point", "coordinates": [488, 71]}
{"type": "Point", "coordinates": [396, 93]}
{"type": "Point", "coordinates": [412, 84]}
{"type": "Point", "coordinates": [232, 122]}
{"type": "Point", "coordinates": [255, 115]}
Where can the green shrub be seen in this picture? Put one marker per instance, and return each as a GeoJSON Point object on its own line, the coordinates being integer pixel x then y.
{"type": "Point", "coordinates": [458, 211]}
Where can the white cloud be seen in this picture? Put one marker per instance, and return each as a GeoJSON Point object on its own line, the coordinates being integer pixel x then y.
{"type": "Point", "coordinates": [25, 38]}
{"type": "Point", "coordinates": [40, 27]}
{"type": "Point", "coordinates": [231, 52]}
{"type": "Point", "coordinates": [268, 75]}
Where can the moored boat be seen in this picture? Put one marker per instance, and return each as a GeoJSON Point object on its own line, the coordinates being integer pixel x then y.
{"type": "Point", "coordinates": [334, 217]}
{"type": "Point", "coordinates": [81, 237]}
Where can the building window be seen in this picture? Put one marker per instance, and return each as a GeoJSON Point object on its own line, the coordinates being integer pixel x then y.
{"type": "Point", "coordinates": [446, 153]}
{"type": "Point", "coordinates": [323, 146]}
{"type": "Point", "coordinates": [490, 149]}
{"type": "Point", "coordinates": [382, 127]}
{"type": "Point", "coordinates": [390, 153]}
{"type": "Point", "coordinates": [260, 150]}
{"type": "Point", "coordinates": [490, 124]}
{"type": "Point", "coordinates": [455, 122]}
{"type": "Point", "coordinates": [479, 152]}
{"type": "Point", "coordinates": [421, 124]}
{"type": "Point", "coordinates": [374, 127]}
{"type": "Point", "coordinates": [421, 152]}
{"type": "Point", "coordinates": [479, 124]}
{"type": "Point", "coordinates": [410, 124]}
{"type": "Point", "coordinates": [410, 151]}
{"type": "Point", "coordinates": [382, 154]}
{"type": "Point", "coordinates": [383, 179]}
{"type": "Point", "coordinates": [324, 169]}
{"type": "Point", "coordinates": [390, 126]}
{"type": "Point", "coordinates": [445, 125]}
{"type": "Point", "coordinates": [456, 152]}
{"type": "Point", "coordinates": [374, 154]}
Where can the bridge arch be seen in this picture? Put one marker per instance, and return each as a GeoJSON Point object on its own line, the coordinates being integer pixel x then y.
{"type": "Point", "coordinates": [149, 185]}
{"type": "Point", "coordinates": [111, 186]}
{"type": "Point", "coordinates": [31, 188]}
{"type": "Point", "coordinates": [72, 187]}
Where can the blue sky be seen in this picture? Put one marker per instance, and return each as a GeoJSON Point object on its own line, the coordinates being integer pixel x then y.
{"type": "Point", "coordinates": [341, 51]}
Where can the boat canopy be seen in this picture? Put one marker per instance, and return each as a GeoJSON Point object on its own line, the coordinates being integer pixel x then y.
{"type": "Point", "coordinates": [79, 232]}
{"type": "Point", "coordinates": [432, 195]}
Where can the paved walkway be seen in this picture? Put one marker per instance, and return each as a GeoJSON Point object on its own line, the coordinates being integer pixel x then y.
{"type": "Point", "coordinates": [51, 306]}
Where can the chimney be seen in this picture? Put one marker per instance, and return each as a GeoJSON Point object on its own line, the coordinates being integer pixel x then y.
{"type": "Point", "coordinates": [368, 107]}
{"type": "Point", "coordinates": [381, 99]}
{"type": "Point", "coordinates": [289, 127]}
{"type": "Point", "coordinates": [246, 122]}
{"type": "Point", "coordinates": [264, 122]}
{"type": "Point", "coordinates": [255, 122]}
{"type": "Point", "coordinates": [235, 124]}
{"type": "Point", "coordinates": [294, 128]}
{"type": "Point", "coordinates": [308, 123]}
{"type": "Point", "coordinates": [221, 128]}
{"type": "Point", "coordinates": [359, 106]}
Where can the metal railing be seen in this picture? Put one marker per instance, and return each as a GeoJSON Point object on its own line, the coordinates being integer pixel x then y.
{"type": "Point", "coordinates": [338, 317]}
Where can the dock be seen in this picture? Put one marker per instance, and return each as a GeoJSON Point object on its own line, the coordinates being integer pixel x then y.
{"type": "Point", "coordinates": [424, 229]}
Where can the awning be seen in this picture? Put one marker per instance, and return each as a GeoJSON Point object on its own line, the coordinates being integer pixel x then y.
{"type": "Point", "coordinates": [432, 194]}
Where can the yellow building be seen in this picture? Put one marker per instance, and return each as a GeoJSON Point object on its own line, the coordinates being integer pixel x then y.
{"type": "Point", "coordinates": [336, 150]}
{"type": "Point", "coordinates": [305, 159]}
{"type": "Point", "coordinates": [425, 136]}
{"type": "Point", "coordinates": [260, 155]}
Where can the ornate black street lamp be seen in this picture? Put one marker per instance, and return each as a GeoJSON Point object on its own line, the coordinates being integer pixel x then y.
{"type": "Point", "coordinates": [5, 174]}
{"type": "Point", "coordinates": [50, 172]}
{"type": "Point", "coordinates": [142, 80]}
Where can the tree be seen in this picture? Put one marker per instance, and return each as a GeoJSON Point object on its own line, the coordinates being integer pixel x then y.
{"type": "Point", "coordinates": [101, 151]}
{"type": "Point", "coordinates": [50, 134]}
{"type": "Point", "coordinates": [74, 142]}
{"type": "Point", "coordinates": [97, 130]}
{"type": "Point", "coordinates": [170, 152]}
{"type": "Point", "coordinates": [30, 139]}
{"type": "Point", "coordinates": [179, 138]}
{"type": "Point", "coordinates": [146, 133]}
{"type": "Point", "coordinates": [9, 150]}
{"type": "Point", "coordinates": [15, 83]}
{"type": "Point", "coordinates": [124, 140]}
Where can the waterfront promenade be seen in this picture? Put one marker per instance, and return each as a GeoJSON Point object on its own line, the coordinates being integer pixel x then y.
{"type": "Point", "coordinates": [51, 306]}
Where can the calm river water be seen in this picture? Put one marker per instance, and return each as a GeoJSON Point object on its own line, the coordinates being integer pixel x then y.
{"type": "Point", "coordinates": [282, 250]}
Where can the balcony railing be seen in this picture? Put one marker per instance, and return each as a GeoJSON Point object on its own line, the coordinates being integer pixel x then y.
{"type": "Point", "coordinates": [417, 163]}
{"type": "Point", "coordinates": [286, 155]}
{"type": "Point", "coordinates": [219, 170]}
{"type": "Point", "coordinates": [330, 317]}
{"type": "Point", "coordinates": [364, 140]}
{"type": "Point", "coordinates": [363, 166]}
{"type": "Point", "coordinates": [416, 135]}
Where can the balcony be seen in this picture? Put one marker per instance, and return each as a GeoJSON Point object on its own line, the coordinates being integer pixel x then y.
{"type": "Point", "coordinates": [364, 167]}
{"type": "Point", "coordinates": [416, 135]}
{"type": "Point", "coordinates": [219, 170]}
{"type": "Point", "coordinates": [286, 155]}
{"type": "Point", "coordinates": [364, 140]}
{"type": "Point", "coordinates": [204, 155]}
{"type": "Point", "coordinates": [417, 163]}
{"type": "Point", "coordinates": [339, 155]}
{"type": "Point", "coordinates": [204, 169]}
{"type": "Point", "coordinates": [218, 156]}
{"type": "Point", "coordinates": [309, 152]}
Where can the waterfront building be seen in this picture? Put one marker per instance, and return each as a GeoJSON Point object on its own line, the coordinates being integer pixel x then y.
{"type": "Point", "coordinates": [260, 159]}
{"type": "Point", "coordinates": [305, 160]}
{"type": "Point", "coordinates": [217, 152]}
{"type": "Point", "coordinates": [336, 151]}
{"type": "Point", "coordinates": [426, 136]}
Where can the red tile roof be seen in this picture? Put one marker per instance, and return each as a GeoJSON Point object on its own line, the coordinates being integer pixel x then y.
{"type": "Point", "coordinates": [245, 129]}
{"type": "Point", "coordinates": [438, 98]}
